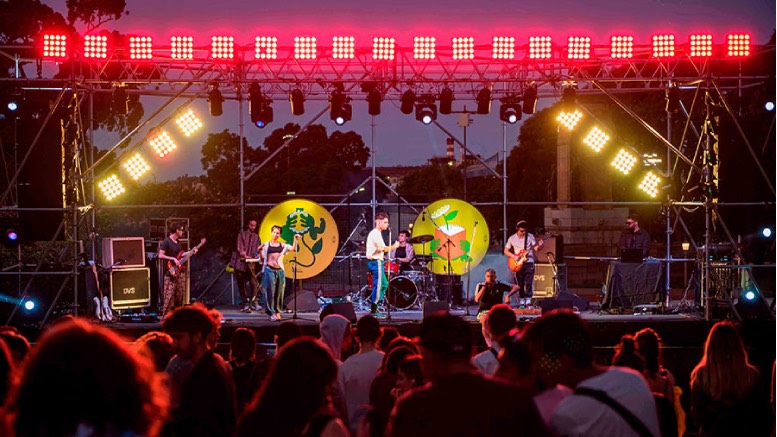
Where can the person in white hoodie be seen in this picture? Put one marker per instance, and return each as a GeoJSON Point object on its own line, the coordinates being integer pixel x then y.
{"type": "Point", "coordinates": [336, 334]}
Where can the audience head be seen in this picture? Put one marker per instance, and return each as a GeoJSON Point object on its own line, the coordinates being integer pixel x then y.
{"type": "Point", "coordinates": [485, 330]}
{"type": "Point", "coordinates": [409, 373]}
{"type": "Point", "coordinates": [724, 371]}
{"type": "Point", "coordinates": [368, 329]}
{"type": "Point", "coordinates": [156, 346]}
{"type": "Point", "coordinates": [190, 327]}
{"type": "Point", "coordinates": [296, 388]}
{"type": "Point", "coordinates": [82, 379]}
{"type": "Point", "coordinates": [286, 332]}
{"type": "Point", "coordinates": [445, 340]}
{"type": "Point", "coordinates": [501, 321]}
{"type": "Point", "coordinates": [215, 334]}
{"type": "Point", "coordinates": [387, 334]}
{"type": "Point", "coordinates": [559, 344]}
{"type": "Point", "coordinates": [627, 355]}
{"type": "Point", "coordinates": [401, 341]}
{"type": "Point", "coordinates": [336, 334]}
{"type": "Point", "coordinates": [394, 358]}
{"type": "Point", "coordinates": [649, 347]}
{"type": "Point", "coordinates": [7, 368]}
{"type": "Point", "coordinates": [17, 344]}
{"type": "Point", "coordinates": [515, 361]}
{"type": "Point", "coordinates": [243, 345]}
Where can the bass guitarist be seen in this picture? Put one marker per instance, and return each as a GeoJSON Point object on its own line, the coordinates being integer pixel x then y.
{"type": "Point", "coordinates": [520, 249]}
{"type": "Point", "coordinates": [175, 285]}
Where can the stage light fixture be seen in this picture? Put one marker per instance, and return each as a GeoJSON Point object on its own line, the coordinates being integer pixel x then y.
{"type": "Point", "coordinates": [672, 98]}
{"type": "Point", "coordinates": [12, 106]}
{"type": "Point", "coordinates": [579, 47]}
{"type": "Point", "coordinates": [340, 111]}
{"type": "Point", "coordinates": [182, 47]}
{"type": "Point", "coordinates": [529, 99]}
{"type": "Point", "coordinates": [141, 47]}
{"type": "Point", "coordinates": [624, 161]}
{"type": "Point", "coordinates": [111, 187]}
{"type": "Point", "coordinates": [484, 101]}
{"type": "Point", "coordinates": [769, 106]}
{"type": "Point", "coordinates": [621, 47]}
{"type": "Point", "coordinates": [701, 46]}
{"type": "Point", "coordinates": [119, 100]}
{"type": "Point", "coordinates": [424, 47]}
{"type": "Point", "coordinates": [297, 101]}
{"type": "Point", "coordinates": [54, 46]}
{"type": "Point", "coordinates": [569, 119]}
{"type": "Point", "coordinates": [503, 47]}
{"type": "Point", "coordinates": [11, 237]}
{"type": "Point", "coordinates": [510, 109]}
{"type": "Point", "coordinates": [188, 123]}
{"type": "Point", "coordinates": [407, 102]}
{"type": "Point", "coordinates": [162, 144]}
{"type": "Point", "coordinates": [136, 166]}
{"type": "Point", "coordinates": [28, 304]}
{"type": "Point", "coordinates": [540, 47]}
{"type": "Point", "coordinates": [739, 45]}
{"type": "Point", "coordinates": [305, 47]}
{"type": "Point", "coordinates": [342, 47]}
{"type": "Point", "coordinates": [426, 110]}
{"type": "Point", "coordinates": [383, 48]}
{"type": "Point", "coordinates": [446, 101]}
{"type": "Point", "coordinates": [373, 101]}
{"type": "Point", "coordinates": [215, 100]}
{"type": "Point", "coordinates": [222, 47]}
{"type": "Point", "coordinates": [766, 232]}
{"type": "Point", "coordinates": [650, 184]}
{"type": "Point", "coordinates": [259, 107]}
{"type": "Point", "coordinates": [663, 46]}
{"type": "Point", "coordinates": [569, 98]}
{"type": "Point", "coordinates": [463, 48]}
{"type": "Point", "coordinates": [266, 47]}
{"type": "Point", "coordinates": [96, 46]}
{"type": "Point", "coordinates": [749, 295]}
{"type": "Point", "coordinates": [596, 139]}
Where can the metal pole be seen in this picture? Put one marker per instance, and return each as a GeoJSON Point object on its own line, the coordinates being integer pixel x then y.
{"type": "Point", "coordinates": [667, 298]}
{"type": "Point", "coordinates": [242, 167]}
{"type": "Point", "coordinates": [504, 184]}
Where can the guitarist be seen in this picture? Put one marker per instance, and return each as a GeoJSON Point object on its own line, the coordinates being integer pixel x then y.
{"type": "Point", "coordinates": [248, 243]}
{"type": "Point", "coordinates": [521, 246]}
{"type": "Point", "coordinates": [174, 286]}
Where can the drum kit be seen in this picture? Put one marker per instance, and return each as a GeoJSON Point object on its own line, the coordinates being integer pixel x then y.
{"type": "Point", "coordinates": [408, 288]}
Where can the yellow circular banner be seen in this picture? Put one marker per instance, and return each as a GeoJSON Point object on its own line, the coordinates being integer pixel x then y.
{"type": "Point", "coordinates": [318, 230]}
{"type": "Point", "coordinates": [459, 234]}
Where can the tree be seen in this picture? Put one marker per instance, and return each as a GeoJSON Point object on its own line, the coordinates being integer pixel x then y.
{"type": "Point", "coordinates": [221, 162]}
{"type": "Point", "coordinates": [95, 13]}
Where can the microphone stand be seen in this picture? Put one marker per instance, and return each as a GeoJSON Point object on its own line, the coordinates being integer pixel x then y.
{"type": "Point", "coordinates": [554, 268]}
{"type": "Point", "coordinates": [469, 272]}
{"type": "Point", "coordinates": [448, 244]}
{"type": "Point", "coordinates": [388, 280]}
{"type": "Point", "coordinates": [294, 281]}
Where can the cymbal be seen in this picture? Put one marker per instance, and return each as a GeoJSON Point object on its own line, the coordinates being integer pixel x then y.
{"type": "Point", "coordinates": [421, 239]}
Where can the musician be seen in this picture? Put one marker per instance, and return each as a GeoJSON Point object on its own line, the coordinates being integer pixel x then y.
{"type": "Point", "coordinates": [174, 286]}
{"type": "Point", "coordinates": [520, 244]}
{"type": "Point", "coordinates": [248, 243]}
{"type": "Point", "coordinates": [490, 292]}
{"type": "Point", "coordinates": [376, 249]}
{"type": "Point", "coordinates": [634, 237]}
{"type": "Point", "coordinates": [274, 279]}
{"type": "Point", "coordinates": [403, 254]}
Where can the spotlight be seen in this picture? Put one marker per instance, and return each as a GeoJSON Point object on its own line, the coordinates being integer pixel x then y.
{"type": "Point", "coordinates": [11, 237]}
{"type": "Point", "coordinates": [259, 107]}
{"type": "Point", "coordinates": [339, 109]}
{"type": "Point", "coordinates": [672, 98]}
{"type": "Point", "coordinates": [568, 98]}
{"type": "Point", "coordinates": [426, 110]}
{"type": "Point", "coordinates": [749, 295]}
{"type": "Point", "coordinates": [446, 100]}
{"type": "Point", "coordinates": [29, 304]}
{"type": "Point", "coordinates": [297, 101]}
{"type": "Point", "coordinates": [373, 101]}
{"type": "Point", "coordinates": [215, 99]}
{"type": "Point", "coordinates": [769, 106]}
{"type": "Point", "coordinates": [766, 232]}
{"type": "Point", "coordinates": [510, 110]}
{"type": "Point", "coordinates": [407, 102]}
{"type": "Point", "coordinates": [13, 106]}
{"type": "Point", "coordinates": [484, 101]}
{"type": "Point", "coordinates": [529, 99]}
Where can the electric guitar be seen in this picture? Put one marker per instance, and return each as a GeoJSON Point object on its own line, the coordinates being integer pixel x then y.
{"type": "Point", "coordinates": [515, 263]}
{"type": "Point", "coordinates": [175, 269]}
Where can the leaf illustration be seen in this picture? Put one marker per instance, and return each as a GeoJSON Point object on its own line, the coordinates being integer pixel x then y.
{"type": "Point", "coordinates": [315, 231]}
{"type": "Point", "coordinates": [433, 245]}
{"type": "Point", "coordinates": [451, 215]}
{"type": "Point", "coordinates": [287, 234]}
{"type": "Point", "coordinates": [465, 245]}
{"type": "Point", "coordinates": [317, 246]}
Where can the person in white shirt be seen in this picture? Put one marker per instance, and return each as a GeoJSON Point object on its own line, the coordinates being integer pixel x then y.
{"type": "Point", "coordinates": [376, 249]}
{"type": "Point", "coordinates": [520, 248]}
{"type": "Point", "coordinates": [358, 371]}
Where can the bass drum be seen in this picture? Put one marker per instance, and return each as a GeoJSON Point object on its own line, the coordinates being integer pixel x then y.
{"type": "Point", "coordinates": [402, 292]}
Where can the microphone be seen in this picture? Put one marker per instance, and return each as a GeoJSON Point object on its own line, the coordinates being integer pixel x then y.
{"type": "Point", "coordinates": [476, 223]}
{"type": "Point", "coordinates": [121, 261]}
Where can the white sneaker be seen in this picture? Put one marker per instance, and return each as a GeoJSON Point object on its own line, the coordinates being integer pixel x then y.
{"type": "Point", "coordinates": [97, 308]}
{"type": "Point", "coordinates": [107, 313]}
{"type": "Point", "coordinates": [273, 318]}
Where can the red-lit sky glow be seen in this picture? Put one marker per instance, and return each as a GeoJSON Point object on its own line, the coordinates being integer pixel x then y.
{"type": "Point", "coordinates": [399, 138]}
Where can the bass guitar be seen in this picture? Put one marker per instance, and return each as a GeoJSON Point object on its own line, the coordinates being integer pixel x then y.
{"type": "Point", "coordinates": [515, 263]}
{"type": "Point", "coordinates": [176, 269]}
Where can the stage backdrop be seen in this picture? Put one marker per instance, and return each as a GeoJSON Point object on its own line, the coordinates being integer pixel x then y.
{"type": "Point", "coordinates": [319, 241]}
{"type": "Point", "coordinates": [456, 237]}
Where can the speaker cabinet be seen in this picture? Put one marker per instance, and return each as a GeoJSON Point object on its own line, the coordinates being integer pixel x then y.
{"type": "Point", "coordinates": [306, 301]}
{"type": "Point", "coordinates": [345, 309]}
{"type": "Point", "coordinates": [543, 280]}
{"type": "Point", "coordinates": [130, 288]}
{"type": "Point", "coordinates": [124, 252]}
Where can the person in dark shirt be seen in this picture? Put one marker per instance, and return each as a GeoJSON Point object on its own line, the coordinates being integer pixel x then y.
{"type": "Point", "coordinates": [174, 286]}
{"type": "Point", "coordinates": [490, 292]}
{"type": "Point", "coordinates": [634, 237]}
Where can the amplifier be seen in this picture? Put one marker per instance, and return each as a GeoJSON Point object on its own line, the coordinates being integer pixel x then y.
{"type": "Point", "coordinates": [130, 288]}
{"type": "Point", "coordinates": [128, 252]}
{"type": "Point", "coordinates": [543, 280]}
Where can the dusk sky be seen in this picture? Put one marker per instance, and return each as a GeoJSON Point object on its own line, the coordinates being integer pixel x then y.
{"type": "Point", "coordinates": [399, 139]}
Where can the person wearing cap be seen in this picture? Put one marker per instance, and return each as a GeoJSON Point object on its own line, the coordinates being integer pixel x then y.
{"type": "Point", "coordinates": [458, 400]}
{"type": "Point", "coordinates": [520, 244]}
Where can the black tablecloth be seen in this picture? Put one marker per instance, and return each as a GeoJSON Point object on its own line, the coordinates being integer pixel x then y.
{"type": "Point", "coordinates": [631, 284]}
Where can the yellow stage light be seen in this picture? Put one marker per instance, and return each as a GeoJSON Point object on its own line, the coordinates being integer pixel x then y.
{"type": "Point", "coordinates": [596, 139]}
{"type": "Point", "coordinates": [136, 166]}
{"type": "Point", "coordinates": [162, 144]}
{"type": "Point", "coordinates": [624, 161]}
{"type": "Point", "coordinates": [189, 123]}
{"type": "Point", "coordinates": [111, 187]}
{"type": "Point", "coordinates": [569, 119]}
{"type": "Point", "coordinates": [650, 183]}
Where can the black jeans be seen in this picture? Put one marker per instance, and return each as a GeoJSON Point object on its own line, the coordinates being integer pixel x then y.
{"type": "Point", "coordinates": [242, 278]}
{"type": "Point", "coordinates": [525, 280]}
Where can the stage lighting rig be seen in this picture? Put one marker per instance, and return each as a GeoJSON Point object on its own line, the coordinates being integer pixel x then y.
{"type": "Point", "coordinates": [373, 101]}
{"type": "Point", "coordinates": [259, 107]}
{"type": "Point", "coordinates": [510, 110]}
{"type": "Point", "coordinates": [340, 110]}
{"type": "Point", "coordinates": [215, 100]}
{"type": "Point", "coordinates": [297, 101]}
{"type": "Point", "coordinates": [529, 99]}
{"type": "Point", "coordinates": [569, 98]}
{"type": "Point", "coordinates": [484, 101]}
{"type": "Point", "coordinates": [446, 100]}
{"type": "Point", "coordinates": [407, 102]}
{"type": "Point", "coordinates": [672, 98]}
{"type": "Point", "coordinates": [425, 109]}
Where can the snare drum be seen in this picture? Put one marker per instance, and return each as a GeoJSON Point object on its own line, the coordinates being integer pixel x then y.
{"type": "Point", "coordinates": [391, 267]}
{"type": "Point", "coordinates": [402, 292]}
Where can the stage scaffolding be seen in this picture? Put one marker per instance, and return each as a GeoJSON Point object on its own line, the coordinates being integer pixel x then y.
{"type": "Point", "coordinates": [184, 81]}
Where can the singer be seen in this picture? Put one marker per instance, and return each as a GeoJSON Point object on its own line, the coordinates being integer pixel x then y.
{"type": "Point", "coordinates": [376, 250]}
{"type": "Point", "coordinates": [634, 237]}
{"type": "Point", "coordinates": [274, 279]}
{"type": "Point", "coordinates": [490, 293]}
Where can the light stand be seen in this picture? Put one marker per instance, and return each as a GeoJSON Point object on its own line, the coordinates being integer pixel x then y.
{"type": "Point", "coordinates": [469, 271]}
{"type": "Point", "coordinates": [294, 281]}
{"type": "Point", "coordinates": [388, 285]}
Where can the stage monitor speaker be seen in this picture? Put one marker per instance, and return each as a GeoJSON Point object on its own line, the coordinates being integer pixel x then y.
{"type": "Point", "coordinates": [434, 307]}
{"type": "Point", "coordinates": [124, 252]}
{"type": "Point", "coordinates": [553, 304]}
{"type": "Point", "coordinates": [756, 309]}
{"type": "Point", "coordinates": [543, 280]}
{"type": "Point", "coordinates": [577, 301]}
{"type": "Point", "coordinates": [345, 309]}
{"type": "Point", "coordinates": [306, 302]}
{"type": "Point", "coordinates": [130, 288]}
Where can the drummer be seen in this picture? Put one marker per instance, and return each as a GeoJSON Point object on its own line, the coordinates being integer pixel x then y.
{"type": "Point", "coordinates": [403, 254]}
